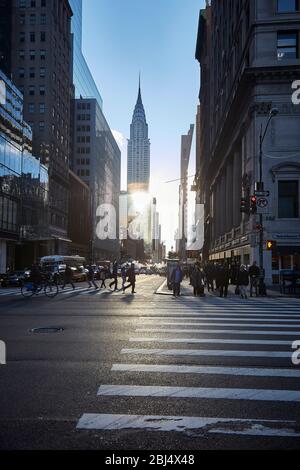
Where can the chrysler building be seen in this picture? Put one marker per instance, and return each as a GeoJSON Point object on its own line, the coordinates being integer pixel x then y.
{"type": "Point", "coordinates": [138, 163]}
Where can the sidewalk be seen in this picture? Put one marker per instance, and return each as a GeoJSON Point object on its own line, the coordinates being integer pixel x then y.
{"type": "Point", "coordinates": [187, 290]}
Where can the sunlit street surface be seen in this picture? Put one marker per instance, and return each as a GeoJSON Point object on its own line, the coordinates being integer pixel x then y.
{"type": "Point", "coordinates": [148, 371]}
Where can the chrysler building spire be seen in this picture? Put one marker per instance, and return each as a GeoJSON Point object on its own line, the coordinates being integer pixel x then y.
{"type": "Point", "coordinates": [138, 169]}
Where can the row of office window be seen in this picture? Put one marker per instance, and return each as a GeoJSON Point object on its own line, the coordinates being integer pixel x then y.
{"type": "Point", "coordinates": [33, 19]}
{"type": "Point", "coordinates": [83, 139]}
{"type": "Point", "coordinates": [32, 54]}
{"type": "Point", "coordinates": [32, 36]}
{"type": "Point", "coordinates": [83, 161]}
{"type": "Point", "coordinates": [32, 72]}
{"type": "Point", "coordinates": [83, 106]}
{"type": "Point", "coordinates": [84, 150]}
{"type": "Point", "coordinates": [83, 117]}
{"type": "Point", "coordinates": [31, 108]}
{"type": "Point", "coordinates": [83, 128]}
{"type": "Point", "coordinates": [32, 3]}
{"type": "Point", "coordinates": [83, 172]}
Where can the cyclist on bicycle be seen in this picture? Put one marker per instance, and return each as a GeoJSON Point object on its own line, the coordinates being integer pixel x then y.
{"type": "Point", "coordinates": [35, 276]}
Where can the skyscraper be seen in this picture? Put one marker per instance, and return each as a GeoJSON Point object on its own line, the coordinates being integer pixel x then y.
{"type": "Point", "coordinates": [138, 165]}
{"type": "Point", "coordinates": [85, 86]}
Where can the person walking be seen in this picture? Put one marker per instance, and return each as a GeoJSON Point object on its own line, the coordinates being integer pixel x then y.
{"type": "Point", "coordinates": [123, 276]}
{"type": "Point", "coordinates": [131, 279]}
{"type": "Point", "coordinates": [114, 276]}
{"type": "Point", "coordinates": [194, 280]}
{"type": "Point", "coordinates": [91, 277]}
{"type": "Point", "coordinates": [223, 276]}
{"type": "Point", "coordinates": [176, 280]}
{"type": "Point", "coordinates": [68, 277]}
{"type": "Point", "coordinates": [103, 278]}
{"type": "Point", "coordinates": [254, 273]}
{"type": "Point", "coordinates": [243, 281]}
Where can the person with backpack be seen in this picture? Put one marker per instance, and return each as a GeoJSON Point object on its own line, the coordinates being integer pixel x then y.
{"type": "Point", "coordinates": [131, 279]}
{"type": "Point", "coordinates": [114, 276]}
{"type": "Point", "coordinates": [176, 280]}
{"type": "Point", "coordinates": [103, 278]}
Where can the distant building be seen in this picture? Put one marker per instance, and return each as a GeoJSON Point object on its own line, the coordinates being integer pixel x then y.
{"type": "Point", "coordinates": [138, 161]}
{"type": "Point", "coordinates": [80, 223]}
{"type": "Point", "coordinates": [249, 56]}
{"type": "Point", "coordinates": [186, 145]}
{"type": "Point", "coordinates": [97, 161]}
{"type": "Point", "coordinates": [23, 186]}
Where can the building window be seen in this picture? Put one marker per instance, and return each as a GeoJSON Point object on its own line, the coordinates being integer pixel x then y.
{"type": "Point", "coordinates": [43, 3]}
{"type": "Point", "coordinates": [21, 72]}
{"type": "Point", "coordinates": [22, 18]}
{"type": "Point", "coordinates": [22, 3]}
{"type": "Point", "coordinates": [42, 54]}
{"type": "Point", "coordinates": [41, 125]}
{"type": "Point", "coordinates": [22, 55]}
{"type": "Point", "coordinates": [43, 18]}
{"type": "Point", "coordinates": [31, 90]}
{"type": "Point", "coordinates": [287, 45]}
{"type": "Point", "coordinates": [32, 18]}
{"type": "Point", "coordinates": [42, 72]}
{"type": "Point", "coordinates": [287, 6]}
{"type": "Point", "coordinates": [32, 55]}
{"type": "Point", "coordinates": [31, 108]}
{"type": "Point", "coordinates": [32, 72]}
{"type": "Point", "coordinates": [43, 36]}
{"type": "Point", "coordinates": [32, 36]}
{"type": "Point", "coordinates": [32, 3]}
{"type": "Point", "coordinates": [42, 90]}
{"type": "Point", "coordinates": [42, 108]}
{"type": "Point", "coordinates": [288, 199]}
{"type": "Point", "coordinates": [22, 37]}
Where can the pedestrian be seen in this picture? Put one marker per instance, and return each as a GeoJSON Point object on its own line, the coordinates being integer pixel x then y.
{"type": "Point", "coordinates": [254, 273]}
{"type": "Point", "coordinates": [123, 275]}
{"type": "Point", "coordinates": [91, 277]}
{"type": "Point", "coordinates": [223, 280]}
{"type": "Point", "coordinates": [68, 277]}
{"type": "Point", "coordinates": [243, 281]}
{"type": "Point", "coordinates": [209, 274]}
{"type": "Point", "coordinates": [35, 276]}
{"type": "Point", "coordinates": [176, 280]}
{"type": "Point", "coordinates": [114, 276]}
{"type": "Point", "coordinates": [103, 278]}
{"type": "Point", "coordinates": [131, 279]}
{"type": "Point", "coordinates": [194, 280]}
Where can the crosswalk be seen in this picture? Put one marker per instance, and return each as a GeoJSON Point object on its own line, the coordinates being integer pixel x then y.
{"type": "Point", "coordinates": [228, 360]}
{"type": "Point", "coordinates": [69, 292]}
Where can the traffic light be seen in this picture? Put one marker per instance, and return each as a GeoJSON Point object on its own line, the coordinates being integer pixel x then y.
{"type": "Point", "coordinates": [244, 205]}
{"type": "Point", "coordinates": [253, 205]}
{"type": "Point", "coordinates": [270, 245]}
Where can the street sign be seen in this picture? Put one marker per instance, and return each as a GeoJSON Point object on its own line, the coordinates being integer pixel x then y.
{"type": "Point", "coordinates": [262, 205]}
{"type": "Point", "coordinates": [262, 193]}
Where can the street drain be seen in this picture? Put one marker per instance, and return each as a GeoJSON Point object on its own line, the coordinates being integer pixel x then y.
{"type": "Point", "coordinates": [47, 330]}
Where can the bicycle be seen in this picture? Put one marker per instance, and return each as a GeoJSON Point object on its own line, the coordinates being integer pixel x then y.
{"type": "Point", "coordinates": [29, 289]}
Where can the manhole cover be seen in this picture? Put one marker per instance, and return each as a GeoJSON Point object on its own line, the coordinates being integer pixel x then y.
{"type": "Point", "coordinates": [46, 330]}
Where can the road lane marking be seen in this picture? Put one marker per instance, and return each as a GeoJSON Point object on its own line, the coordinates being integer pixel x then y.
{"type": "Point", "coordinates": [207, 352]}
{"type": "Point", "coordinates": [199, 392]}
{"type": "Point", "coordinates": [252, 427]}
{"type": "Point", "coordinates": [253, 325]}
{"type": "Point", "coordinates": [183, 319]}
{"type": "Point", "coordinates": [267, 342]}
{"type": "Point", "coordinates": [225, 332]}
{"type": "Point", "coordinates": [210, 370]}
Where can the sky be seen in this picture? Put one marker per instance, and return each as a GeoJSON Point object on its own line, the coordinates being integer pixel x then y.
{"type": "Point", "coordinates": [157, 38]}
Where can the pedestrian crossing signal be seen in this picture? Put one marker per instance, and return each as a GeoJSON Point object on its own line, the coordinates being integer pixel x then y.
{"type": "Point", "coordinates": [270, 245]}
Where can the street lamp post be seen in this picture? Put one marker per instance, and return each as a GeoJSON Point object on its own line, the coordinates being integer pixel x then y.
{"type": "Point", "coordinates": [260, 187]}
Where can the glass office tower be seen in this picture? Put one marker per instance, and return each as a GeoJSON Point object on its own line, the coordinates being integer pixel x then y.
{"type": "Point", "coordinates": [85, 86]}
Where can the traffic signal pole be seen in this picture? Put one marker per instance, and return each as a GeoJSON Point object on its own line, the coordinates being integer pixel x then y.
{"type": "Point", "coordinates": [260, 187]}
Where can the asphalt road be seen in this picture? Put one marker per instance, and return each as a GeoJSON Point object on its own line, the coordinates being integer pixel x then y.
{"type": "Point", "coordinates": [148, 371]}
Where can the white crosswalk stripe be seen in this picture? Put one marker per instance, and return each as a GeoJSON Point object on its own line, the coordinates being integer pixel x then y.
{"type": "Point", "coordinates": [267, 382]}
